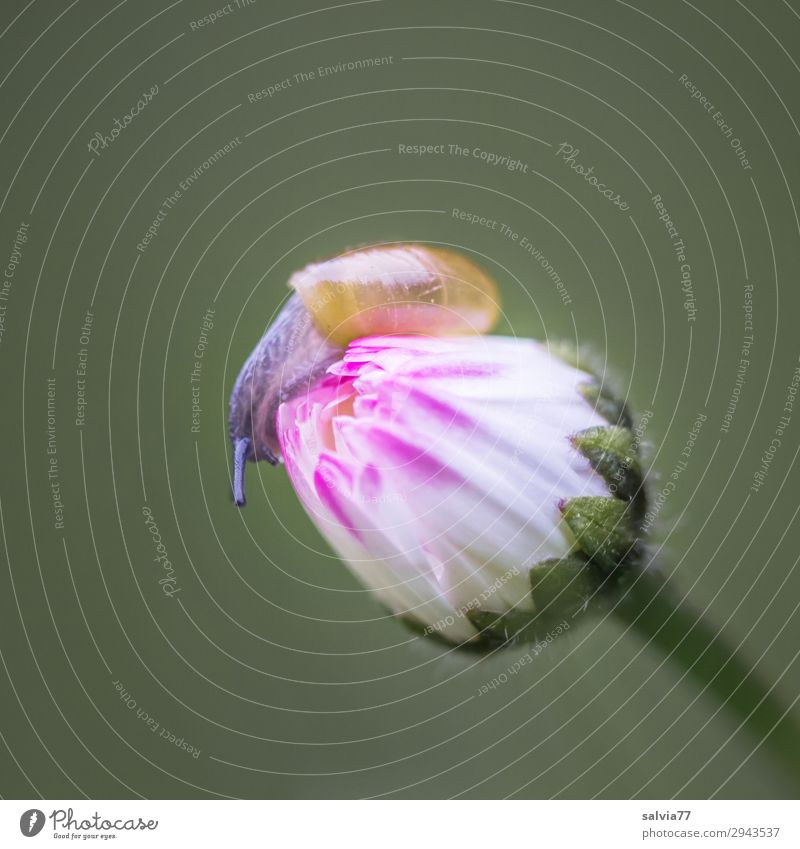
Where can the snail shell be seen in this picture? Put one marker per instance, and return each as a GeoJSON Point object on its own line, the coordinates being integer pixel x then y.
{"type": "Point", "coordinates": [374, 291]}
{"type": "Point", "coordinates": [397, 289]}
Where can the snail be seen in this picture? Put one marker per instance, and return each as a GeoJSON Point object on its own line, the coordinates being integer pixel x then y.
{"type": "Point", "coordinates": [395, 289]}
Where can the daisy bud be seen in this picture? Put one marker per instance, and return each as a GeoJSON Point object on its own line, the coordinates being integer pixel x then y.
{"type": "Point", "coordinates": [480, 487]}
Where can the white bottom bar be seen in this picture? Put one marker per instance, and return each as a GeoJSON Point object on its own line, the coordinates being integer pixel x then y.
{"type": "Point", "coordinates": [401, 824]}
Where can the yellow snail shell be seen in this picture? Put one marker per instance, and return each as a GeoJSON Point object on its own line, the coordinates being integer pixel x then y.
{"type": "Point", "coordinates": [397, 289]}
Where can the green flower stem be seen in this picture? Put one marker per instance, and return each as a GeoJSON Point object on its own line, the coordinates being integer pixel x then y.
{"type": "Point", "coordinates": [650, 607]}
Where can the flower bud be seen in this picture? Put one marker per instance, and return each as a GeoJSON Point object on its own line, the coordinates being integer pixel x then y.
{"type": "Point", "coordinates": [480, 487]}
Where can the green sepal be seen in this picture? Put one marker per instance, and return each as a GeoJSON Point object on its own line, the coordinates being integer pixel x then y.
{"type": "Point", "coordinates": [561, 585]}
{"type": "Point", "coordinates": [506, 629]}
{"type": "Point", "coordinates": [610, 408]}
{"type": "Point", "coordinates": [603, 529]}
{"type": "Point", "coordinates": [612, 453]}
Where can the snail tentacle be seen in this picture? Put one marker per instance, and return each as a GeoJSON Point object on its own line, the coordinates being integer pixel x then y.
{"type": "Point", "coordinates": [239, 460]}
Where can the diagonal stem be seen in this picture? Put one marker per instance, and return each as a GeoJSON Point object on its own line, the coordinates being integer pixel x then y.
{"type": "Point", "coordinates": [651, 608]}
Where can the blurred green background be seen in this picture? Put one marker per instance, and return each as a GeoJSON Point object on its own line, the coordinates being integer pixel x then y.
{"type": "Point", "coordinates": [268, 658]}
